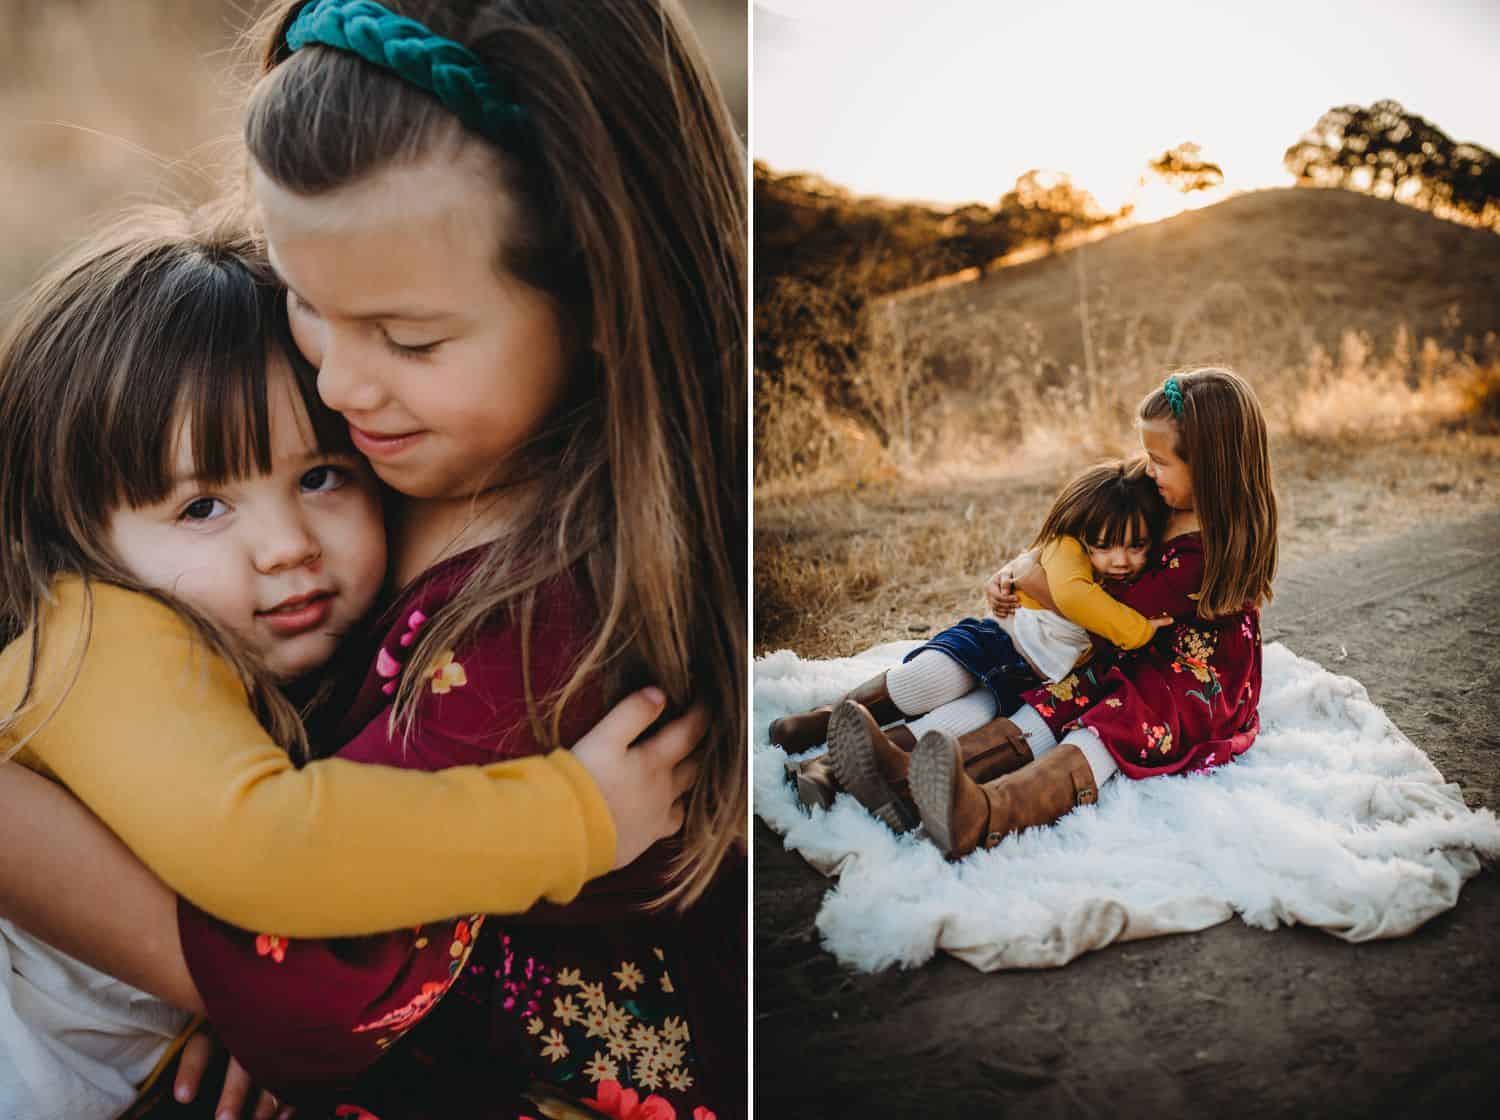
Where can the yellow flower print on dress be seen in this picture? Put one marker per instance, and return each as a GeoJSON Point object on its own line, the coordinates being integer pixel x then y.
{"type": "Point", "coordinates": [1063, 689]}
{"type": "Point", "coordinates": [565, 1011]}
{"type": "Point", "coordinates": [629, 976]}
{"type": "Point", "coordinates": [553, 1046]}
{"type": "Point", "coordinates": [599, 1068]}
{"type": "Point", "coordinates": [447, 674]}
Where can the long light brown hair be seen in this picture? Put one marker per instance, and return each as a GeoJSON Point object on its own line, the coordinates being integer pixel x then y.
{"type": "Point", "coordinates": [630, 183]}
{"type": "Point", "coordinates": [1221, 436]}
{"type": "Point", "coordinates": [161, 320]}
{"type": "Point", "coordinates": [1106, 505]}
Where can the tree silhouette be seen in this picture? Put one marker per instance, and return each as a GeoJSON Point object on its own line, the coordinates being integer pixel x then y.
{"type": "Point", "coordinates": [1389, 152]}
{"type": "Point", "coordinates": [1185, 169]}
{"type": "Point", "coordinates": [1044, 205]}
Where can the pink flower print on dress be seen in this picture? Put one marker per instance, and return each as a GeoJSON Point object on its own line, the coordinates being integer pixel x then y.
{"type": "Point", "coordinates": [386, 665]}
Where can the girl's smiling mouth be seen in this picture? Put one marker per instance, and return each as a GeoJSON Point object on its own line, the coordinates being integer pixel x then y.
{"type": "Point", "coordinates": [379, 446]}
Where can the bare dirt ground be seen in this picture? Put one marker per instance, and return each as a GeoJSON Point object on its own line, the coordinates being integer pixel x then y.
{"type": "Point", "coordinates": [1232, 1021]}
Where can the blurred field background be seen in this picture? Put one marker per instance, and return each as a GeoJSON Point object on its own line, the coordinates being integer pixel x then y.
{"type": "Point", "coordinates": [914, 420]}
{"type": "Point", "coordinates": [105, 102]}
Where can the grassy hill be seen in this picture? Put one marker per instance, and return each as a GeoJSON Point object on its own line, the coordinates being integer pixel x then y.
{"type": "Point", "coordinates": [1343, 309]}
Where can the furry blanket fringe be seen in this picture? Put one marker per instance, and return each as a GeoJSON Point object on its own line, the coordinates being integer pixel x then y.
{"type": "Point", "coordinates": [1333, 819]}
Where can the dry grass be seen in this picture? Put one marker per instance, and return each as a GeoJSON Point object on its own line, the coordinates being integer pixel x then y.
{"type": "Point", "coordinates": [108, 102]}
{"type": "Point", "coordinates": [840, 569]}
{"type": "Point", "coordinates": [1367, 328]}
{"type": "Point", "coordinates": [104, 102]}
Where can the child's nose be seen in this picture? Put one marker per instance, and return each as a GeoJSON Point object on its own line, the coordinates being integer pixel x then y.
{"type": "Point", "coordinates": [343, 382]}
{"type": "Point", "coordinates": [286, 543]}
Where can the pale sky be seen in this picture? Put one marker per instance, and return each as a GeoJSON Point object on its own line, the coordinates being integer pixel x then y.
{"type": "Point", "coordinates": [950, 100]}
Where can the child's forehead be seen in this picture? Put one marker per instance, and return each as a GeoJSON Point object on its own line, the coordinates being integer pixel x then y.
{"type": "Point", "coordinates": [292, 435]}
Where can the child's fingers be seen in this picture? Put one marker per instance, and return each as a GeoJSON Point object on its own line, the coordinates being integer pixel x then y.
{"type": "Point", "coordinates": [235, 1092]}
{"type": "Point", "coordinates": [677, 740]}
{"type": "Point", "coordinates": [265, 1108]}
{"type": "Point", "coordinates": [197, 1052]}
{"type": "Point", "coordinates": [626, 720]}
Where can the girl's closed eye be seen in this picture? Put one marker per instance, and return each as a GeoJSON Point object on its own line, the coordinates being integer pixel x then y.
{"type": "Point", "coordinates": [411, 349]}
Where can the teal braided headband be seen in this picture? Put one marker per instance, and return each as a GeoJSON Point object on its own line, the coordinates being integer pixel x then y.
{"type": "Point", "coordinates": [1173, 392]}
{"type": "Point", "coordinates": [449, 71]}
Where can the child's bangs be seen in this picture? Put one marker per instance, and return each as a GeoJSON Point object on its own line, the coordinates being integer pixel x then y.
{"type": "Point", "coordinates": [215, 370]}
{"type": "Point", "coordinates": [1113, 525]}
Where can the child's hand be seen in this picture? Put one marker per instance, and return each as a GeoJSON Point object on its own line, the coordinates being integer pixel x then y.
{"type": "Point", "coordinates": [198, 1053]}
{"type": "Point", "coordinates": [1164, 620]}
{"type": "Point", "coordinates": [1000, 593]}
{"type": "Point", "coordinates": [642, 785]}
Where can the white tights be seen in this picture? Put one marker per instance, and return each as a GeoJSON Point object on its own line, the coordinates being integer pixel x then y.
{"type": "Point", "coordinates": [942, 693]}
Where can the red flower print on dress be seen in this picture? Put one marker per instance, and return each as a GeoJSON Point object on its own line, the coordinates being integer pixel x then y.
{"type": "Point", "coordinates": [269, 945]}
{"type": "Point", "coordinates": [353, 1112]}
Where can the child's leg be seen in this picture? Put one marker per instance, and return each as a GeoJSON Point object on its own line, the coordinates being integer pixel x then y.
{"type": "Point", "coordinates": [927, 682]}
{"type": "Point", "coordinates": [969, 712]}
{"type": "Point", "coordinates": [1040, 739]}
{"type": "Point", "coordinates": [1100, 761]}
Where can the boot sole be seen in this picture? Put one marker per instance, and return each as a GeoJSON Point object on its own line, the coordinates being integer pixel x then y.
{"type": "Point", "coordinates": [853, 762]}
{"type": "Point", "coordinates": [932, 776]}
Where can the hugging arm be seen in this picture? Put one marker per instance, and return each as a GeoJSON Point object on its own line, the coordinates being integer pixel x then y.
{"type": "Point", "coordinates": [67, 879]}
{"type": "Point", "coordinates": [157, 739]}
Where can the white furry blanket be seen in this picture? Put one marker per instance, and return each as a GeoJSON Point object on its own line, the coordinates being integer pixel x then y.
{"type": "Point", "coordinates": [1333, 819]}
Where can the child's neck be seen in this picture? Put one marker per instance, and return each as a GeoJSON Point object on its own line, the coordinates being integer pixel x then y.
{"type": "Point", "coordinates": [427, 531]}
{"type": "Point", "coordinates": [1182, 521]}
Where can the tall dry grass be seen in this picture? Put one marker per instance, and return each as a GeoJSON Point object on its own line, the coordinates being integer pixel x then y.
{"type": "Point", "coordinates": [883, 503]}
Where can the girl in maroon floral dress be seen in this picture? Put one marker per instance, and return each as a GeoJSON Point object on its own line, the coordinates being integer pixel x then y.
{"type": "Point", "coordinates": [1188, 700]}
{"type": "Point", "coordinates": [514, 237]}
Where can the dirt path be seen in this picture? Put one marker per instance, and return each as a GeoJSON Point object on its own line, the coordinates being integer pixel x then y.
{"type": "Point", "coordinates": [1229, 1022]}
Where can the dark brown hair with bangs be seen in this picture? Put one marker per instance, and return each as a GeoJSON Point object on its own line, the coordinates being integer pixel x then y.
{"type": "Point", "coordinates": [161, 320]}
{"type": "Point", "coordinates": [1109, 504]}
{"type": "Point", "coordinates": [628, 185]}
{"type": "Point", "coordinates": [1221, 436]}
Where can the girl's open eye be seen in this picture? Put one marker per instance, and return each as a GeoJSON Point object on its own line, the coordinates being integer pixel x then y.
{"type": "Point", "coordinates": [324, 477]}
{"type": "Point", "coordinates": [203, 509]}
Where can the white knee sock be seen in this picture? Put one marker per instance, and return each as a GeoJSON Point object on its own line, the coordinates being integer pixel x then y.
{"type": "Point", "coordinates": [969, 712]}
{"type": "Point", "coordinates": [1039, 736]}
{"type": "Point", "coordinates": [927, 681]}
{"type": "Point", "coordinates": [1101, 762]}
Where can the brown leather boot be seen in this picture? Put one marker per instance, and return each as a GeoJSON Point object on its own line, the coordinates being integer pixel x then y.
{"type": "Point", "coordinates": [815, 782]}
{"type": "Point", "coordinates": [961, 815]}
{"type": "Point", "coordinates": [996, 749]}
{"type": "Point", "coordinates": [805, 730]}
{"type": "Point", "coordinates": [871, 763]}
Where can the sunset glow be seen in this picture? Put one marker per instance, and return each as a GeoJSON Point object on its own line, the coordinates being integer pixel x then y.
{"type": "Point", "coordinates": [948, 101]}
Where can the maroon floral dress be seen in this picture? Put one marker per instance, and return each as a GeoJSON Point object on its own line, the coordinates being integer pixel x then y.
{"type": "Point", "coordinates": [1186, 701]}
{"type": "Point", "coordinates": [599, 999]}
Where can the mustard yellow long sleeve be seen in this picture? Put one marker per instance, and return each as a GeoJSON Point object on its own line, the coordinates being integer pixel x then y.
{"type": "Point", "coordinates": [1080, 598]}
{"type": "Point", "coordinates": [153, 733]}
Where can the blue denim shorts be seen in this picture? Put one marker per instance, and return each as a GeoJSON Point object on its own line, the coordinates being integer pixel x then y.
{"type": "Point", "coordinates": [986, 651]}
